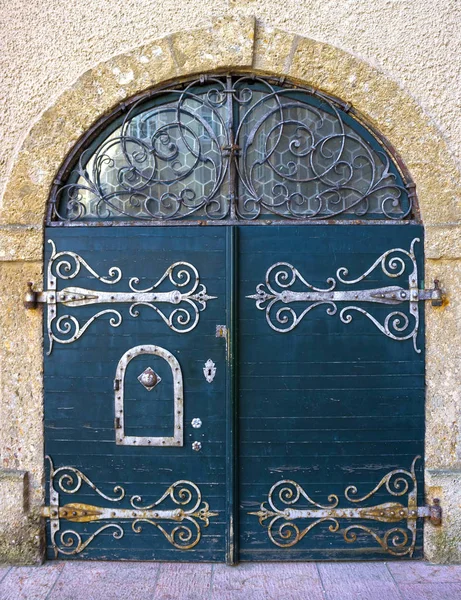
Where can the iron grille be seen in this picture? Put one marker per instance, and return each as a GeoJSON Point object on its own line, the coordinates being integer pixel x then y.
{"type": "Point", "coordinates": [222, 149]}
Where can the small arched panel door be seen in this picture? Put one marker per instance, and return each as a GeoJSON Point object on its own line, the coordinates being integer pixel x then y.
{"type": "Point", "coordinates": [234, 361]}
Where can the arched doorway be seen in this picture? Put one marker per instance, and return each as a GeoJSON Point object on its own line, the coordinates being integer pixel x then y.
{"type": "Point", "coordinates": [264, 240]}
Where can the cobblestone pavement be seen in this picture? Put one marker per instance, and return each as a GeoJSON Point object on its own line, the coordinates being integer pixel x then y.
{"type": "Point", "coordinates": [75, 580]}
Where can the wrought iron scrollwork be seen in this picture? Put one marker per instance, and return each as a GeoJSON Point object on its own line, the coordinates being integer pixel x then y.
{"type": "Point", "coordinates": [286, 519]}
{"type": "Point", "coordinates": [166, 162]}
{"type": "Point", "coordinates": [280, 302]}
{"type": "Point", "coordinates": [301, 158]}
{"type": "Point", "coordinates": [188, 297]}
{"type": "Point", "coordinates": [180, 525]}
{"type": "Point", "coordinates": [295, 153]}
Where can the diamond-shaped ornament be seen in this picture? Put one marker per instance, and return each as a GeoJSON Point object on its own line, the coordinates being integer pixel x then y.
{"type": "Point", "coordinates": [149, 379]}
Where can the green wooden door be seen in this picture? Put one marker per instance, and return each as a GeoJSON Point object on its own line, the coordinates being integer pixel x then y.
{"type": "Point", "coordinates": [290, 435]}
{"type": "Point", "coordinates": [134, 419]}
{"type": "Point", "coordinates": [331, 392]}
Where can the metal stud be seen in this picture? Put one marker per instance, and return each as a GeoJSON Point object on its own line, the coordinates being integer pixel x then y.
{"type": "Point", "coordinates": [149, 379]}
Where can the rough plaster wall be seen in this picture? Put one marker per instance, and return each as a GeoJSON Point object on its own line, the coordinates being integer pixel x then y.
{"type": "Point", "coordinates": [46, 44]}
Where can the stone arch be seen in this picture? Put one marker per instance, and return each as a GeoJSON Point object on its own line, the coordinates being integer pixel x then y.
{"type": "Point", "coordinates": [232, 44]}
{"type": "Point", "coordinates": [228, 43]}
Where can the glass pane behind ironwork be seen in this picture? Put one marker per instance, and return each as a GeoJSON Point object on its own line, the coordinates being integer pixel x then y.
{"type": "Point", "coordinates": [296, 155]}
{"type": "Point", "coordinates": [163, 162]}
{"type": "Point", "coordinates": [300, 158]}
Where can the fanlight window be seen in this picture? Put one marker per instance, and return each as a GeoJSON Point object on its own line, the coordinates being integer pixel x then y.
{"type": "Point", "coordinates": [233, 149]}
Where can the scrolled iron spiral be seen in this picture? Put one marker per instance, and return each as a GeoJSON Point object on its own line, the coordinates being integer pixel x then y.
{"type": "Point", "coordinates": [71, 542]}
{"type": "Point", "coordinates": [70, 481]}
{"type": "Point", "coordinates": [289, 534]}
{"type": "Point", "coordinates": [181, 536]}
{"type": "Point", "coordinates": [70, 327]}
{"type": "Point", "coordinates": [181, 492]}
{"type": "Point", "coordinates": [328, 169]}
{"type": "Point", "coordinates": [395, 541]}
{"type": "Point", "coordinates": [289, 492]}
{"type": "Point", "coordinates": [397, 483]}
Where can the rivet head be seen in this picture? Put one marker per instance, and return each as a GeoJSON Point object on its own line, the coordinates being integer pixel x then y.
{"type": "Point", "coordinates": [196, 423]}
{"type": "Point", "coordinates": [196, 446]}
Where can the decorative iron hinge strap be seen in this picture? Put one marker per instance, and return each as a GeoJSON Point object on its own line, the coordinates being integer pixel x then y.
{"type": "Point", "coordinates": [286, 307]}
{"type": "Point", "coordinates": [384, 295]}
{"type": "Point", "coordinates": [287, 525]}
{"type": "Point", "coordinates": [388, 512]}
{"type": "Point", "coordinates": [188, 298]}
{"type": "Point", "coordinates": [181, 525]}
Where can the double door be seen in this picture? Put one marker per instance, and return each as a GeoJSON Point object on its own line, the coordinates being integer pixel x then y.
{"type": "Point", "coordinates": [234, 393]}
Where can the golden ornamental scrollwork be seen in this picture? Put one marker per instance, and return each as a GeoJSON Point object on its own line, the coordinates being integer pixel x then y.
{"type": "Point", "coordinates": [181, 525]}
{"type": "Point", "coordinates": [286, 523]}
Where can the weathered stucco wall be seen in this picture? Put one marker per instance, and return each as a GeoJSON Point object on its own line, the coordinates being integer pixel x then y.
{"type": "Point", "coordinates": [47, 45]}
{"type": "Point", "coordinates": [393, 61]}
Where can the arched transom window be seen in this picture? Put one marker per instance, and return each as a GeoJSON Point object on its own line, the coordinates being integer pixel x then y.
{"type": "Point", "coordinates": [231, 149]}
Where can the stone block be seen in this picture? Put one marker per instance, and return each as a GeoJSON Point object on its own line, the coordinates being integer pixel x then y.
{"type": "Point", "coordinates": [443, 544]}
{"type": "Point", "coordinates": [21, 243]}
{"type": "Point", "coordinates": [226, 44]}
{"type": "Point", "coordinates": [443, 241]}
{"type": "Point", "coordinates": [273, 50]}
{"type": "Point", "coordinates": [443, 373]}
{"type": "Point", "coordinates": [21, 396]}
{"type": "Point", "coordinates": [20, 536]}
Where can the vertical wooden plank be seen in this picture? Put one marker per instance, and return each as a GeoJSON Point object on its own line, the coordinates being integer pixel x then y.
{"type": "Point", "coordinates": [232, 391]}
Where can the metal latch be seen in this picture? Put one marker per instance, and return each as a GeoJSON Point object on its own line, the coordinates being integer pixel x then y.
{"type": "Point", "coordinates": [221, 331]}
